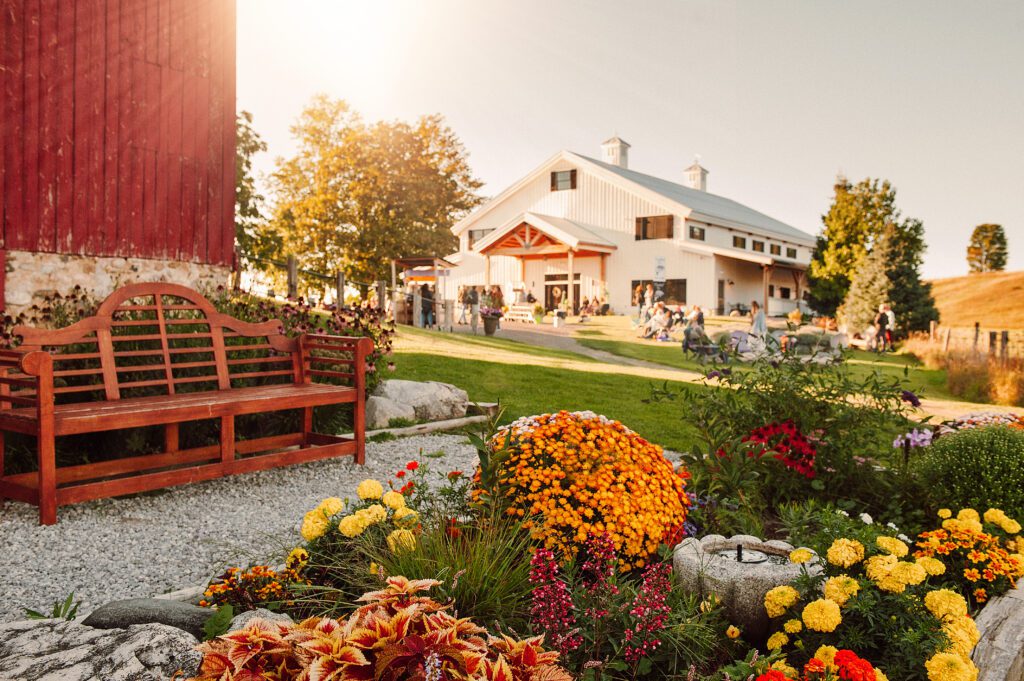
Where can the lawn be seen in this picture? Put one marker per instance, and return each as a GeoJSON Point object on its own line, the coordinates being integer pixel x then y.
{"type": "Point", "coordinates": [485, 343]}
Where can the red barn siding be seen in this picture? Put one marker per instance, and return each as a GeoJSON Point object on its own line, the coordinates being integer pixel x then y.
{"type": "Point", "coordinates": [117, 128]}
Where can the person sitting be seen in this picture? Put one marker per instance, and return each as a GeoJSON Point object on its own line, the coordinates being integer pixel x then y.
{"type": "Point", "coordinates": [659, 321]}
{"type": "Point", "coordinates": [605, 308]}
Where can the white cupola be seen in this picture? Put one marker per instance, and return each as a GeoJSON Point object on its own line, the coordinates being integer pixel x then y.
{"type": "Point", "coordinates": [615, 151]}
{"type": "Point", "coordinates": [697, 176]}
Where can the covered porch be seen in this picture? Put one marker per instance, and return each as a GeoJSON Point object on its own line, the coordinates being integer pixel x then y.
{"type": "Point", "coordinates": [777, 285]}
{"type": "Point", "coordinates": [531, 237]}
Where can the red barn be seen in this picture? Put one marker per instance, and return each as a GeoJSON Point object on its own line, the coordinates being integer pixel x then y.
{"type": "Point", "coordinates": [118, 144]}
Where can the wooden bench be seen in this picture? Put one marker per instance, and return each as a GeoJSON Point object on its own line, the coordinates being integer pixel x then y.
{"type": "Point", "coordinates": [162, 355]}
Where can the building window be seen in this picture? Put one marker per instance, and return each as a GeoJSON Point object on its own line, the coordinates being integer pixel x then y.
{"type": "Point", "coordinates": [672, 292]}
{"type": "Point", "coordinates": [563, 179]}
{"type": "Point", "coordinates": [739, 242]}
{"type": "Point", "coordinates": [791, 253]}
{"type": "Point", "coordinates": [771, 290]}
{"type": "Point", "coordinates": [561, 277]}
{"type": "Point", "coordinates": [784, 293]}
{"type": "Point", "coordinates": [776, 249]}
{"type": "Point", "coordinates": [476, 235]}
{"type": "Point", "coordinates": [697, 233]}
{"type": "Point", "coordinates": [758, 246]}
{"type": "Point", "coordinates": [654, 227]}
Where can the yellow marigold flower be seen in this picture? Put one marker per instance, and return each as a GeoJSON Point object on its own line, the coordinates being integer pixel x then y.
{"type": "Point", "coordinates": [777, 640]}
{"type": "Point", "coordinates": [967, 514]}
{"type": "Point", "coordinates": [944, 603]}
{"type": "Point", "coordinates": [845, 552]}
{"type": "Point", "coordinates": [840, 588]}
{"type": "Point", "coordinates": [892, 545]}
{"type": "Point", "coordinates": [793, 626]}
{"type": "Point", "coordinates": [827, 654]}
{"type": "Point", "coordinates": [959, 638]}
{"type": "Point", "coordinates": [780, 599]}
{"type": "Point", "coordinates": [401, 540]}
{"type": "Point", "coordinates": [933, 566]}
{"type": "Point", "coordinates": [406, 517]}
{"type": "Point", "coordinates": [994, 516]}
{"type": "Point", "coordinates": [732, 632]}
{"type": "Point", "coordinates": [297, 558]}
{"type": "Point", "coordinates": [879, 567]}
{"type": "Point", "coordinates": [945, 513]}
{"type": "Point", "coordinates": [372, 514]}
{"type": "Point", "coordinates": [394, 500]}
{"type": "Point", "coordinates": [351, 526]}
{"type": "Point", "coordinates": [950, 667]}
{"type": "Point", "coordinates": [800, 555]}
{"type": "Point", "coordinates": [784, 667]}
{"type": "Point", "coordinates": [909, 573]}
{"type": "Point", "coordinates": [374, 569]}
{"type": "Point", "coordinates": [1010, 526]}
{"type": "Point", "coordinates": [370, 489]}
{"type": "Point", "coordinates": [314, 524]}
{"type": "Point", "coordinates": [331, 505]}
{"type": "Point", "coordinates": [822, 615]}
{"type": "Point", "coordinates": [879, 676]}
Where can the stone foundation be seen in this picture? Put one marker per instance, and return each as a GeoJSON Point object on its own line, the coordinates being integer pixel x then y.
{"type": "Point", "coordinates": [32, 276]}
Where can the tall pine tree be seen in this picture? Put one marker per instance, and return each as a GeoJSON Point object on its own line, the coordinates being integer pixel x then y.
{"type": "Point", "coordinates": [870, 286]}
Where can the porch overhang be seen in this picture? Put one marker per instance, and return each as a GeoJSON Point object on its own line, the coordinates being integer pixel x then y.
{"type": "Point", "coordinates": [530, 235]}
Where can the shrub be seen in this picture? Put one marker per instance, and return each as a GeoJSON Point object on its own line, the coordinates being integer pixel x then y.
{"type": "Point", "coordinates": [975, 468]}
{"type": "Point", "coordinates": [570, 475]}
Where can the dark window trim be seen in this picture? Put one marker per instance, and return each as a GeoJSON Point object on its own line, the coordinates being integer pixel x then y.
{"type": "Point", "coordinates": [757, 246]}
{"type": "Point", "coordinates": [791, 253]}
{"type": "Point", "coordinates": [654, 227]}
{"type": "Point", "coordinates": [775, 249]}
{"type": "Point", "coordinates": [554, 179]}
{"type": "Point", "coordinates": [698, 233]}
{"type": "Point", "coordinates": [739, 242]}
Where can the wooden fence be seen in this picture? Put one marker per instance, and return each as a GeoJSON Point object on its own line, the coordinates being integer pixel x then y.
{"type": "Point", "coordinates": [999, 343]}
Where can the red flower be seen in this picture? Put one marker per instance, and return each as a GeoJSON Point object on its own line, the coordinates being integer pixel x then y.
{"type": "Point", "coordinates": [772, 675]}
{"type": "Point", "coordinates": [412, 465]}
{"type": "Point", "coordinates": [454, 475]}
{"type": "Point", "coordinates": [400, 474]}
{"type": "Point", "coordinates": [407, 487]}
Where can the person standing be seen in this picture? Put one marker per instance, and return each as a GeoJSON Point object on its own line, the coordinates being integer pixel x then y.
{"type": "Point", "coordinates": [881, 328]}
{"type": "Point", "coordinates": [890, 328]}
{"type": "Point", "coordinates": [427, 306]}
{"type": "Point", "coordinates": [758, 322]}
{"type": "Point", "coordinates": [638, 301]}
{"type": "Point", "coordinates": [473, 299]}
{"type": "Point", "coordinates": [463, 306]}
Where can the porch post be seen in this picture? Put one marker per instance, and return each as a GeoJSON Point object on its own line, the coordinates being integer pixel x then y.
{"type": "Point", "coordinates": [572, 283]}
{"type": "Point", "coordinates": [604, 275]}
{"type": "Point", "coordinates": [487, 271]}
{"type": "Point", "coordinates": [765, 276]}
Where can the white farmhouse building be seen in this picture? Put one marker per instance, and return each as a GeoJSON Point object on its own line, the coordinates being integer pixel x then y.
{"type": "Point", "coordinates": [607, 229]}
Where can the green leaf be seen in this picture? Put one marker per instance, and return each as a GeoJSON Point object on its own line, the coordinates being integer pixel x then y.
{"type": "Point", "coordinates": [218, 623]}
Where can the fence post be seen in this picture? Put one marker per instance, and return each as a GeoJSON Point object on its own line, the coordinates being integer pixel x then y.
{"type": "Point", "coordinates": [339, 288]}
{"type": "Point", "coordinates": [992, 343]}
{"type": "Point", "coordinates": [382, 290]}
{"type": "Point", "coordinates": [293, 277]}
{"type": "Point", "coordinates": [1004, 343]}
{"type": "Point", "coordinates": [977, 332]}
{"type": "Point", "coordinates": [945, 342]}
{"type": "Point", "coordinates": [932, 327]}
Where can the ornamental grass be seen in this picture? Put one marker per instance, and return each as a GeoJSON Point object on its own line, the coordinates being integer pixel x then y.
{"type": "Point", "coordinates": [573, 475]}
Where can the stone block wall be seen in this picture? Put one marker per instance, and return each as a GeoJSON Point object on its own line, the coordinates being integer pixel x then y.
{"type": "Point", "coordinates": [31, 276]}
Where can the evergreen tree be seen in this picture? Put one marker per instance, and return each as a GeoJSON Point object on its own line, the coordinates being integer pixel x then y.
{"type": "Point", "coordinates": [986, 251]}
{"type": "Point", "coordinates": [910, 296]}
{"type": "Point", "coordinates": [870, 286]}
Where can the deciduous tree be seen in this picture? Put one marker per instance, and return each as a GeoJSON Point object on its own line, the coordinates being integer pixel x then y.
{"type": "Point", "coordinates": [986, 251]}
{"type": "Point", "coordinates": [250, 235]}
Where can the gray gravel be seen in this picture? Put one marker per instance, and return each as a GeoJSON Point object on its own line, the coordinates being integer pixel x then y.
{"type": "Point", "coordinates": [163, 541]}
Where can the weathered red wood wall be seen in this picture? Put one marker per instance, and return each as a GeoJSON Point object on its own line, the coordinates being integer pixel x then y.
{"type": "Point", "coordinates": [118, 128]}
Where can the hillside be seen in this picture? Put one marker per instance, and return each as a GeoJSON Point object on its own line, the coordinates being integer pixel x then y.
{"type": "Point", "coordinates": [996, 299]}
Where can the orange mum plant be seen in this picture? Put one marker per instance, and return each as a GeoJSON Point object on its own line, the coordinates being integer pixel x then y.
{"type": "Point", "coordinates": [573, 475]}
{"type": "Point", "coordinates": [398, 634]}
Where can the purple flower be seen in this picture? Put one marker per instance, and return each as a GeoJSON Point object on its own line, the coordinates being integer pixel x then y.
{"type": "Point", "coordinates": [910, 397]}
{"type": "Point", "coordinates": [715, 374]}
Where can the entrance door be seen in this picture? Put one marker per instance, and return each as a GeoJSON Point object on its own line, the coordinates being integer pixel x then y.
{"type": "Point", "coordinates": [551, 303]}
{"type": "Point", "coordinates": [721, 297]}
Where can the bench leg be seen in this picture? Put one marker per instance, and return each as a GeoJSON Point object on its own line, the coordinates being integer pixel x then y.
{"type": "Point", "coordinates": [359, 429]}
{"type": "Point", "coordinates": [2, 450]}
{"type": "Point", "coordinates": [171, 437]}
{"type": "Point", "coordinates": [47, 475]}
{"type": "Point", "coordinates": [307, 425]}
{"type": "Point", "coordinates": [227, 438]}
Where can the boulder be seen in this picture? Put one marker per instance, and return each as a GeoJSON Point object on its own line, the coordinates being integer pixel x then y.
{"type": "Point", "coordinates": [430, 400]}
{"type": "Point", "coordinates": [381, 410]}
{"type": "Point", "coordinates": [59, 650]}
{"type": "Point", "coordinates": [999, 654]}
{"type": "Point", "coordinates": [242, 620]}
{"type": "Point", "coordinates": [123, 614]}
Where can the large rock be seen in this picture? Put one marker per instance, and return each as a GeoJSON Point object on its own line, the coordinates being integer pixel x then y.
{"type": "Point", "coordinates": [999, 654]}
{"type": "Point", "coordinates": [123, 614]}
{"type": "Point", "coordinates": [58, 650]}
{"type": "Point", "coordinates": [430, 400]}
{"type": "Point", "coordinates": [242, 621]}
{"type": "Point", "coordinates": [740, 586]}
{"type": "Point", "coordinates": [380, 411]}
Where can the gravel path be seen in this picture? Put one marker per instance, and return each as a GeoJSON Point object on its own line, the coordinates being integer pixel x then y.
{"type": "Point", "coordinates": [163, 541]}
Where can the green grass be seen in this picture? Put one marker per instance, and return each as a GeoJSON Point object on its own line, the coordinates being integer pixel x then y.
{"type": "Point", "coordinates": [527, 389]}
{"type": "Point", "coordinates": [669, 354]}
{"type": "Point", "coordinates": [496, 342]}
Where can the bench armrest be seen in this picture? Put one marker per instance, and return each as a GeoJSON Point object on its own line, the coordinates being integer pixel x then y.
{"type": "Point", "coordinates": [34, 371]}
{"type": "Point", "coordinates": [321, 355]}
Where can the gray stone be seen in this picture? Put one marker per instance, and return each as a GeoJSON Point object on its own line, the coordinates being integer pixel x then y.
{"type": "Point", "coordinates": [999, 654]}
{"type": "Point", "coordinates": [123, 614]}
{"type": "Point", "coordinates": [57, 650]}
{"type": "Point", "coordinates": [430, 400]}
{"type": "Point", "coordinates": [740, 586]}
{"type": "Point", "coordinates": [242, 620]}
{"type": "Point", "coordinates": [381, 410]}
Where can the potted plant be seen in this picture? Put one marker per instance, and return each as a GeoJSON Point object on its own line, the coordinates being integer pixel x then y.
{"type": "Point", "coordinates": [491, 314]}
{"type": "Point", "coordinates": [538, 313]}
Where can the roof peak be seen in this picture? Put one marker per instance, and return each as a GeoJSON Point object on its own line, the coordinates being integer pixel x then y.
{"type": "Point", "coordinates": [615, 139]}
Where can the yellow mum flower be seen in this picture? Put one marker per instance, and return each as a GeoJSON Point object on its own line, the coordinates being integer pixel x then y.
{"type": "Point", "coordinates": [372, 514]}
{"type": "Point", "coordinates": [827, 654]}
{"type": "Point", "coordinates": [1010, 526]}
{"type": "Point", "coordinates": [780, 599]}
{"type": "Point", "coordinates": [909, 573]}
{"type": "Point", "coordinates": [401, 540]}
{"type": "Point", "coordinates": [840, 588]}
{"type": "Point", "coordinates": [944, 603]}
{"type": "Point", "coordinates": [967, 514]}
{"type": "Point", "coordinates": [793, 626]}
{"type": "Point", "coordinates": [732, 632]}
{"type": "Point", "coordinates": [406, 517]}
{"type": "Point", "coordinates": [879, 567]}
{"type": "Point", "coordinates": [950, 667]}
{"type": "Point", "coordinates": [331, 506]}
{"type": "Point", "coordinates": [800, 555]}
{"type": "Point", "coordinates": [351, 526]}
{"type": "Point", "coordinates": [995, 516]}
{"type": "Point", "coordinates": [932, 566]}
{"type": "Point", "coordinates": [945, 513]}
{"type": "Point", "coordinates": [777, 640]}
{"type": "Point", "coordinates": [314, 524]}
{"type": "Point", "coordinates": [370, 489]}
{"type": "Point", "coordinates": [892, 546]}
{"type": "Point", "coordinates": [822, 615]}
{"type": "Point", "coordinates": [845, 552]}
{"type": "Point", "coordinates": [297, 558]}
{"type": "Point", "coordinates": [394, 500]}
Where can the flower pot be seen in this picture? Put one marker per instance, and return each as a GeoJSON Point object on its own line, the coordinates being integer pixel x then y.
{"type": "Point", "coordinates": [490, 325]}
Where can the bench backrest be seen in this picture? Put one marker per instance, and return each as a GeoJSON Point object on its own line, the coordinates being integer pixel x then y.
{"type": "Point", "coordinates": [157, 338]}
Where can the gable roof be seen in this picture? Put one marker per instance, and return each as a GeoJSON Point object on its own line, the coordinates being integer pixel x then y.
{"type": "Point", "coordinates": [705, 204]}
{"type": "Point", "coordinates": [570, 233]}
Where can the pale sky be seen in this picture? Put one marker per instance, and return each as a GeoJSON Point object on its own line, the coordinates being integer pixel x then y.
{"type": "Point", "coordinates": [775, 97]}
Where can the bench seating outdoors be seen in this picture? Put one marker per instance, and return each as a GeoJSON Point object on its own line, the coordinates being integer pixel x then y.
{"type": "Point", "coordinates": [162, 355]}
{"type": "Point", "coordinates": [520, 312]}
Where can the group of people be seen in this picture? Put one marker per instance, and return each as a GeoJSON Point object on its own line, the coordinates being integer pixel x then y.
{"type": "Point", "coordinates": [884, 324]}
{"type": "Point", "coordinates": [659, 320]}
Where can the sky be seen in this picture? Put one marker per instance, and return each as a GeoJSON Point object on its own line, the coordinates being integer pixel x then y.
{"type": "Point", "coordinates": [775, 97]}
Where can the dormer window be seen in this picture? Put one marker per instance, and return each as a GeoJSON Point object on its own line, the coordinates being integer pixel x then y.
{"type": "Point", "coordinates": [739, 242]}
{"type": "Point", "coordinates": [791, 253]}
{"type": "Point", "coordinates": [563, 179]}
{"type": "Point", "coordinates": [654, 227]}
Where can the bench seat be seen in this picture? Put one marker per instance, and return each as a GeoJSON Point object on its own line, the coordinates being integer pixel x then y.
{"type": "Point", "coordinates": [91, 417]}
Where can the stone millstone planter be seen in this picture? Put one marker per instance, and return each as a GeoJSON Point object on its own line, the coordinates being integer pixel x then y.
{"type": "Point", "coordinates": [999, 654]}
{"type": "Point", "coordinates": [709, 566]}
